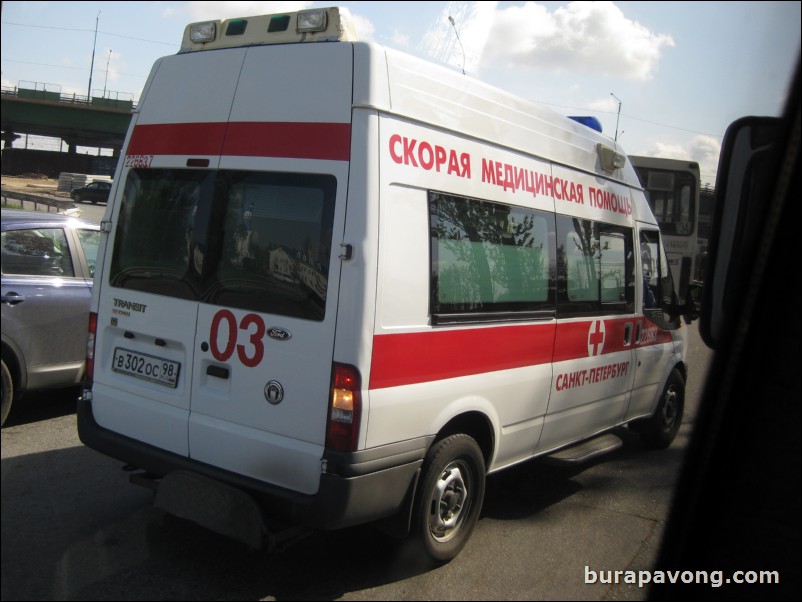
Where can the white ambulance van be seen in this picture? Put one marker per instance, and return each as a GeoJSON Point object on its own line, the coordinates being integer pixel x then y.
{"type": "Point", "coordinates": [339, 285]}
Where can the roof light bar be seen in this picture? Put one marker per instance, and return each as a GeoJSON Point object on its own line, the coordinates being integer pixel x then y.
{"type": "Point", "coordinates": [331, 24]}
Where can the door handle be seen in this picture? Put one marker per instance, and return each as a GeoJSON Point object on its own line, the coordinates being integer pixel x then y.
{"type": "Point", "coordinates": [217, 371]}
{"type": "Point", "coordinates": [12, 298]}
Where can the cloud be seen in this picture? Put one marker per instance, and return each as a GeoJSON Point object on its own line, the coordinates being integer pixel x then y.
{"type": "Point", "coordinates": [606, 104]}
{"type": "Point", "coordinates": [589, 37]}
{"type": "Point", "coordinates": [364, 27]}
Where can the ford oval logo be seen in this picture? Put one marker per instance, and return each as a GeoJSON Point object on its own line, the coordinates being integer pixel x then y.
{"type": "Point", "coordinates": [279, 334]}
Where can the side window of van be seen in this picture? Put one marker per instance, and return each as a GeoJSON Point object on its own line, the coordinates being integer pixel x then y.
{"type": "Point", "coordinates": [489, 260]}
{"type": "Point", "coordinates": [595, 267]}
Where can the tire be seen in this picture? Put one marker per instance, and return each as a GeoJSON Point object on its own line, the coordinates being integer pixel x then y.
{"type": "Point", "coordinates": [449, 497]}
{"type": "Point", "coordinates": [8, 393]}
{"type": "Point", "coordinates": [659, 430]}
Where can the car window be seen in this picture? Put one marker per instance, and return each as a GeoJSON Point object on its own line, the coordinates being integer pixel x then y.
{"type": "Point", "coordinates": [89, 241]}
{"type": "Point", "coordinates": [36, 252]}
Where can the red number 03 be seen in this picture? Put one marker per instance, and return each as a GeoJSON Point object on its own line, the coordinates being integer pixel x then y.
{"type": "Point", "coordinates": [252, 325]}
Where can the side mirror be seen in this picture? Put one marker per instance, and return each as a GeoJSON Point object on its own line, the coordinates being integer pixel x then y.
{"type": "Point", "coordinates": [744, 176]}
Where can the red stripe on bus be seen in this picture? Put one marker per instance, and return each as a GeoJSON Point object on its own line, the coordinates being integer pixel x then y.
{"type": "Point", "coordinates": [327, 141]}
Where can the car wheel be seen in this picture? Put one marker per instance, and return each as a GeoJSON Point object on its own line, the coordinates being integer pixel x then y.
{"type": "Point", "coordinates": [449, 497]}
{"type": "Point", "coordinates": [77, 198]}
{"type": "Point", "coordinates": [8, 393]}
{"type": "Point", "coordinates": [659, 430]}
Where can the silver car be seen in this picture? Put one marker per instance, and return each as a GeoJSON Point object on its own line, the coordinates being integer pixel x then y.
{"type": "Point", "coordinates": [48, 261]}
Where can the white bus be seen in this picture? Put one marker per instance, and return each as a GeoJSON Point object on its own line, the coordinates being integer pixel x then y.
{"type": "Point", "coordinates": [672, 190]}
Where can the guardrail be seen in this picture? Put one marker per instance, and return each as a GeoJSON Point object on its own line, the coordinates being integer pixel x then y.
{"type": "Point", "coordinates": [101, 102]}
{"type": "Point", "coordinates": [37, 202]}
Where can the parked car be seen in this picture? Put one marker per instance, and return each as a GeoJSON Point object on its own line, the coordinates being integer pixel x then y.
{"type": "Point", "coordinates": [48, 261]}
{"type": "Point", "coordinates": [96, 192]}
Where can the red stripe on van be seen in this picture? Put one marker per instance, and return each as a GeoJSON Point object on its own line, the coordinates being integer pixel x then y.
{"type": "Point", "coordinates": [405, 359]}
{"type": "Point", "coordinates": [177, 139]}
{"type": "Point", "coordinates": [593, 337]}
{"type": "Point", "coordinates": [409, 358]}
{"type": "Point", "coordinates": [328, 141]}
{"type": "Point", "coordinates": [331, 141]}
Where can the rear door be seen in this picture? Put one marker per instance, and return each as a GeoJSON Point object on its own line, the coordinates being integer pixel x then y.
{"type": "Point", "coordinates": [266, 328]}
{"type": "Point", "coordinates": [149, 293]}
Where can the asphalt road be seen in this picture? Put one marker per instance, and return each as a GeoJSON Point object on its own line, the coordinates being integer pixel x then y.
{"type": "Point", "coordinates": [73, 528]}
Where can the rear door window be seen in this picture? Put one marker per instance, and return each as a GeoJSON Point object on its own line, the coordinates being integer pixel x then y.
{"type": "Point", "coordinates": [250, 240]}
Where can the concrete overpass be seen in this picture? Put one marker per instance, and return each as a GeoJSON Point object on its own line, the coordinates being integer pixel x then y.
{"type": "Point", "coordinates": [78, 120]}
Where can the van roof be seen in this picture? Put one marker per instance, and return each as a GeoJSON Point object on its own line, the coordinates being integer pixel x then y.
{"type": "Point", "coordinates": [413, 88]}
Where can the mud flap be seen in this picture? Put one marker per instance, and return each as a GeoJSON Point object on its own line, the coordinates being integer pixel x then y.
{"type": "Point", "coordinates": [214, 505]}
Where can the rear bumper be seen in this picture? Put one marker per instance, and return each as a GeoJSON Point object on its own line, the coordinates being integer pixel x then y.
{"type": "Point", "coordinates": [355, 488]}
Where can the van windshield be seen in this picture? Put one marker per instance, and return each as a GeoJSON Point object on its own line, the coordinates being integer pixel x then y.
{"type": "Point", "coordinates": [249, 240]}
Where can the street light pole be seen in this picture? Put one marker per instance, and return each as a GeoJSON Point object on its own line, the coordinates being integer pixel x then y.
{"type": "Point", "coordinates": [105, 81]}
{"type": "Point", "coordinates": [92, 66]}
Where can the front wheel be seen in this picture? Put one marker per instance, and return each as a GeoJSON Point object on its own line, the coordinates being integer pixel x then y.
{"type": "Point", "coordinates": [450, 497]}
{"type": "Point", "coordinates": [659, 430]}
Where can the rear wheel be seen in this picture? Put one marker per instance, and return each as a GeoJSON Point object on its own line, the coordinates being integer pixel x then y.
{"type": "Point", "coordinates": [8, 393]}
{"type": "Point", "coordinates": [659, 430]}
{"type": "Point", "coordinates": [449, 497]}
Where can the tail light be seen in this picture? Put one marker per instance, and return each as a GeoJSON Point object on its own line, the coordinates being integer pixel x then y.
{"type": "Point", "coordinates": [90, 351]}
{"type": "Point", "coordinates": [345, 408]}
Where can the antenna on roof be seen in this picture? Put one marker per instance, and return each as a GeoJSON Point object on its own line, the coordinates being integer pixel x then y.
{"type": "Point", "coordinates": [617, 118]}
{"type": "Point", "coordinates": [451, 20]}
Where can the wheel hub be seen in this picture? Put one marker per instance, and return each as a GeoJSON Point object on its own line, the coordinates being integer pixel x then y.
{"type": "Point", "coordinates": [448, 503]}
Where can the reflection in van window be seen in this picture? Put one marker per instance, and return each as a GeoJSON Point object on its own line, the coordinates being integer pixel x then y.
{"type": "Point", "coordinates": [276, 246]}
{"type": "Point", "coordinates": [248, 240]}
{"type": "Point", "coordinates": [158, 247]}
{"type": "Point", "coordinates": [596, 267]}
{"type": "Point", "coordinates": [489, 257]}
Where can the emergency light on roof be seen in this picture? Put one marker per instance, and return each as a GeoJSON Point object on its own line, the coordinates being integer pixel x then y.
{"type": "Point", "coordinates": [315, 25]}
{"type": "Point", "coordinates": [588, 120]}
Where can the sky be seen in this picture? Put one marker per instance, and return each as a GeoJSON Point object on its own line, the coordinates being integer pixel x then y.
{"type": "Point", "coordinates": [664, 78]}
